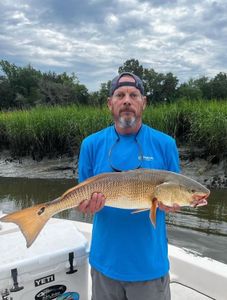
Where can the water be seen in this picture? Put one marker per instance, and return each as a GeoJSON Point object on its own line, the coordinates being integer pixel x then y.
{"type": "Point", "coordinates": [203, 230]}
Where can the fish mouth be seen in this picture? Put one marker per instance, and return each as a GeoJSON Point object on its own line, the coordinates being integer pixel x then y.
{"type": "Point", "coordinates": [200, 199]}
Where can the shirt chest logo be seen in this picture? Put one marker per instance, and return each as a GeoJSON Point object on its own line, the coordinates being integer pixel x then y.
{"type": "Point", "coordinates": [145, 157]}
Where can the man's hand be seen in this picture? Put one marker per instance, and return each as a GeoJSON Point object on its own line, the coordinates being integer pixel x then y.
{"type": "Point", "coordinates": [92, 205]}
{"type": "Point", "coordinates": [196, 203]}
{"type": "Point", "coordinates": [168, 209]}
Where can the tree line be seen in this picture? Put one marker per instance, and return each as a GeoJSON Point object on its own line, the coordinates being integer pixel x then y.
{"type": "Point", "coordinates": [25, 87]}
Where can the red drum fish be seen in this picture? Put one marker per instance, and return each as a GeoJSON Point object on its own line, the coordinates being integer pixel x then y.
{"type": "Point", "coordinates": [141, 189]}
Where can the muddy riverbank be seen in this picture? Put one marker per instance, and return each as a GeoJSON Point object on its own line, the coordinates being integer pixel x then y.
{"type": "Point", "coordinates": [204, 170]}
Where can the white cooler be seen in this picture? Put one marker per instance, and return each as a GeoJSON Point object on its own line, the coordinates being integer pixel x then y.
{"type": "Point", "coordinates": [54, 267]}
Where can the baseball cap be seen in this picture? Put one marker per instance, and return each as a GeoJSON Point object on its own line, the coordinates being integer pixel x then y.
{"type": "Point", "coordinates": [115, 84]}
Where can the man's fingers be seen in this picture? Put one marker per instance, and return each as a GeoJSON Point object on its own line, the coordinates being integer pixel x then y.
{"type": "Point", "coordinates": [176, 207]}
{"type": "Point", "coordinates": [168, 209]}
{"type": "Point", "coordinates": [93, 205]}
{"type": "Point", "coordinates": [93, 202]}
{"type": "Point", "coordinates": [101, 202]}
{"type": "Point", "coordinates": [83, 206]}
{"type": "Point", "coordinates": [97, 202]}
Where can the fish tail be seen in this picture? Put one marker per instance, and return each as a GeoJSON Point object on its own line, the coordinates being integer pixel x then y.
{"type": "Point", "coordinates": [30, 220]}
{"type": "Point", "coordinates": [153, 210]}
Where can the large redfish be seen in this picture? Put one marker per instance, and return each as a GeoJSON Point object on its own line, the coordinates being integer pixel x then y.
{"type": "Point", "coordinates": [138, 190]}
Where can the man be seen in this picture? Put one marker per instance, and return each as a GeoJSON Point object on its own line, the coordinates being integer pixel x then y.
{"type": "Point", "coordinates": [128, 257]}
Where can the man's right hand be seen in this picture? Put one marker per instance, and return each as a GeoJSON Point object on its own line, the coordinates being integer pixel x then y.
{"type": "Point", "coordinates": [92, 205]}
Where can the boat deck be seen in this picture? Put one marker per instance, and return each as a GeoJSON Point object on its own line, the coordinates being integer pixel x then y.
{"type": "Point", "coordinates": [179, 292]}
{"type": "Point", "coordinates": [191, 276]}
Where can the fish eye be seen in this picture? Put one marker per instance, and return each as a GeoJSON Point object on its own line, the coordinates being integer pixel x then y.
{"type": "Point", "coordinates": [193, 191]}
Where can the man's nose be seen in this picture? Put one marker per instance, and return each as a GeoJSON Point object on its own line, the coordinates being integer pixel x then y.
{"type": "Point", "coordinates": [127, 100]}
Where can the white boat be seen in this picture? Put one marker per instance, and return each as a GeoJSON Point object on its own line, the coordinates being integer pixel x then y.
{"type": "Point", "coordinates": [57, 264]}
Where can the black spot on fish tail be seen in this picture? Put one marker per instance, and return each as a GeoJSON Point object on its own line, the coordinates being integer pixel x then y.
{"type": "Point", "coordinates": [41, 211]}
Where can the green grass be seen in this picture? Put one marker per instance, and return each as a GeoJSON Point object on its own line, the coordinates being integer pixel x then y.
{"type": "Point", "coordinates": [195, 123]}
{"type": "Point", "coordinates": [48, 131]}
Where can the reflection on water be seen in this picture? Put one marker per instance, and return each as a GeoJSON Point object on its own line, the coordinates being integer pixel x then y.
{"type": "Point", "coordinates": [203, 229]}
{"type": "Point", "coordinates": [211, 219]}
{"type": "Point", "coordinates": [17, 193]}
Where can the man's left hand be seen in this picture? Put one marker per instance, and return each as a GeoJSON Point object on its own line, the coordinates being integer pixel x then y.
{"type": "Point", "coordinates": [168, 209]}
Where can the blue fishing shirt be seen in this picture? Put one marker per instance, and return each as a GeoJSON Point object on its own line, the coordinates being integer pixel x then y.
{"type": "Point", "coordinates": [126, 246]}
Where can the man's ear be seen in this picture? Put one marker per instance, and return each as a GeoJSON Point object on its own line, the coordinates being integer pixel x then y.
{"type": "Point", "coordinates": [144, 102]}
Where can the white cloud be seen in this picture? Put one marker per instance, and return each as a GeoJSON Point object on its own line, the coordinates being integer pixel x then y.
{"type": "Point", "coordinates": [93, 38]}
{"type": "Point", "coordinates": [112, 20]}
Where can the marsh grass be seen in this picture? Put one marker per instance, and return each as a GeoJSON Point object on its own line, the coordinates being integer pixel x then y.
{"type": "Point", "coordinates": [50, 131]}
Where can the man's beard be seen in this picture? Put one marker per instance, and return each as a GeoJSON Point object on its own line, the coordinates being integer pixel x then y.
{"type": "Point", "coordinates": [128, 122]}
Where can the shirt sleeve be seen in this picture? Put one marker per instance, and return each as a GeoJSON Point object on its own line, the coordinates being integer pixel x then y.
{"type": "Point", "coordinates": [85, 169]}
{"type": "Point", "coordinates": [172, 154]}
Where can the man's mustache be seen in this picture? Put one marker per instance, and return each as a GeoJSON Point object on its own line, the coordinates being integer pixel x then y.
{"type": "Point", "coordinates": [127, 110]}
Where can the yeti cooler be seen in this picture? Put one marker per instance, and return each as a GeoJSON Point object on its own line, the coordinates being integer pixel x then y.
{"type": "Point", "coordinates": [54, 267]}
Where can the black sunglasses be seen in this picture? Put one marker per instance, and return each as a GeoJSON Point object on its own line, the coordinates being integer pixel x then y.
{"type": "Point", "coordinates": [140, 152]}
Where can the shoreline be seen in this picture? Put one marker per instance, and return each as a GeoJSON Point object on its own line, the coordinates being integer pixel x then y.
{"type": "Point", "coordinates": [213, 175]}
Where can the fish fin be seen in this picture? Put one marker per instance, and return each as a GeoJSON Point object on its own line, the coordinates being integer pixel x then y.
{"type": "Point", "coordinates": [136, 211]}
{"type": "Point", "coordinates": [153, 210]}
{"type": "Point", "coordinates": [167, 184]}
{"type": "Point", "coordinates": [30, 220]}
{"type": "Point", "coordinates": [85, 182]}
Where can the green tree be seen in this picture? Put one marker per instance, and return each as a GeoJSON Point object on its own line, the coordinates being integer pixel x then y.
{"type": "Point", "coordinates": [26, 87]}
{"type": "Point", "coordinates": [6, 94]}
{"type": "Point", "coordinates": [205, 88]}
{"type": "Point", "coordinates": [219, 86]}
{"type": "Point", "coordinates": [133, 66]}
{"type": "Point", "coordinates": [159, 87]}
{"type": "Point", "coordinates": [169, 87]}
{"type": "Point", "coordinates": [189, 90]}
{"type": "Point", "coordinates": [204, 85]}
{"type": "Point", "coordinates": [19, 86]}
{"type": "Point", "coordinates": [100, 97]}
{"type": "Point", "coordinates": [54, 92]}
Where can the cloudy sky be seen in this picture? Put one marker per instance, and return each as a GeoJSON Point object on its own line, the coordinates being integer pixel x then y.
{"type": "Point", "coordinates": [94, 37]}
